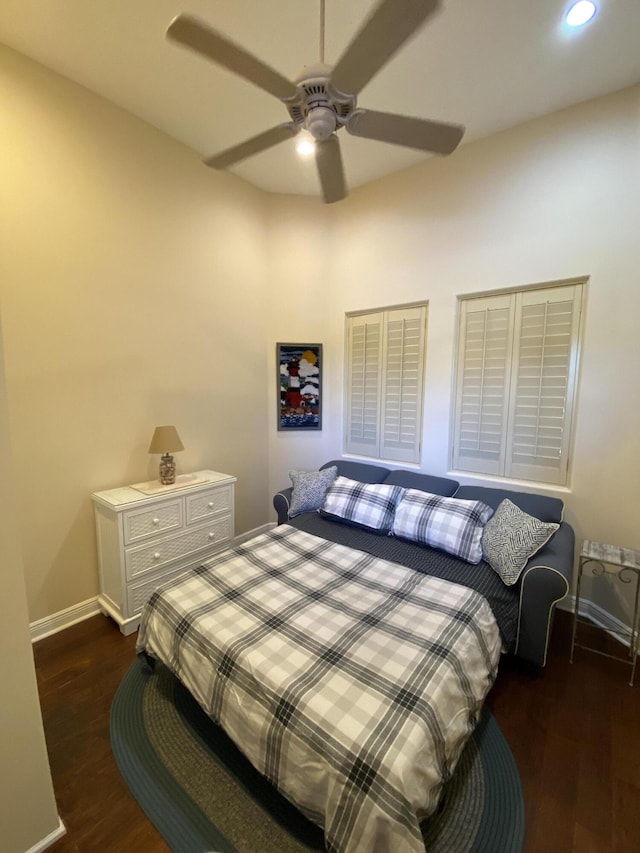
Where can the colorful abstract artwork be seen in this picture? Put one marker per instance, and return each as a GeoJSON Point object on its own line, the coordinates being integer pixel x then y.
{"type": "Point", "coordinates": [299, 386]}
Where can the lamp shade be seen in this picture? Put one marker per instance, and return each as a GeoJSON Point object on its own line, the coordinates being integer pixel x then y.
{"type": "Point", "coordinates": [165, 439]}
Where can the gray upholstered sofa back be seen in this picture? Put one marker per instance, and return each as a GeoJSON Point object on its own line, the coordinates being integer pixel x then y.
{"type": "Point", "coordinates": [367, 473]}
{"type": "Point", "coordinates": [424, 482]}
{"type": "Point", "coordinates": [362, 471]}
{"type": "Point", "coordinates": [541, 506]}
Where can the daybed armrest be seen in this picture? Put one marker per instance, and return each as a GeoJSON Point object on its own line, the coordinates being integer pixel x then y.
{"type": "Point", "coordinates": [546, 579]}
{"type": "Point", "coordinates": [281, 504]}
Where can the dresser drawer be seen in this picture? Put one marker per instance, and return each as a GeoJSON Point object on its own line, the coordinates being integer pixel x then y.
{"type": "Point", "coordinates": [139, 561]}
{"type": "Point", "coordinates": [142, 524]}
{"type": "Point", "coordinates": [139, 594]}
{"type": "Point", "coordinates": [208, 504]}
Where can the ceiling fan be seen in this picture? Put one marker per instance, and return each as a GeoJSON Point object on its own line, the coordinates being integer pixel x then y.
{"type": "Point", "coordinates": [323, 99]}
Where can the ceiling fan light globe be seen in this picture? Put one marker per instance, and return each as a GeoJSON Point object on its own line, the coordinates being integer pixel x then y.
{"type": "Point", "coordinates": [321, 123]}
{"type": "Point", "coordinates": [305, 146]}
{"type": "Point", "coordinates": [580, 13]}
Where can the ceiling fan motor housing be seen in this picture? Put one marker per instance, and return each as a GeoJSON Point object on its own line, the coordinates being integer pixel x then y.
{"type": "Point", "coordinates": [319, 108]}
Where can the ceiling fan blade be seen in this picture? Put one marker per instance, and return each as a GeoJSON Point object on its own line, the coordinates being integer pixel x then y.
{"type": "Point", "coordinates": [249, 147]}
{"type": "Point", "coordinates": [388, 27]}
{"type": "Point", "coordinates": [195, 34]}
{"type": "Point", "coordinates": [330, 170]}
{"type": "Point", "coordinates": [417, 133]}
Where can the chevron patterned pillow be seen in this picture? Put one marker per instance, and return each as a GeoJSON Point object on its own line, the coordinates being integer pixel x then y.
{"type": "Point", "coordinates": [511, 537]}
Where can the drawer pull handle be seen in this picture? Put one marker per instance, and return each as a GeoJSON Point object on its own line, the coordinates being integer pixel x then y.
{"type": "Point", "coordinates": [156, 521]}
{"type": "Point", "coordinates": [212, 536]}
{"type": "Point", "coordinates": [157, 555]}
{"type": "Point", "coordinates": [210, 504]}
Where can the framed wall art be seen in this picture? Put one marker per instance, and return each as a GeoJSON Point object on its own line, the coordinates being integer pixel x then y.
{"type": "Point", "coordinates": [299, 386]}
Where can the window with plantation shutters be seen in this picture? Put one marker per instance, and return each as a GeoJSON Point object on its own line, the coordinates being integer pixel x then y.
{"type": "Point", "coordinates": [516, 381]}
{"type": "Point", "coordinates": [384, 382]}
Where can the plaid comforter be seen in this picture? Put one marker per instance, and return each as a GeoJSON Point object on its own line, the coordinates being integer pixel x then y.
{"type": "Point", "coordinates": [350, 682]}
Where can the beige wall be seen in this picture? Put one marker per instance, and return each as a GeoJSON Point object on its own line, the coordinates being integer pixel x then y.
{"type": "Point", "coordinates": [140, 288]}
{"type": "Point", "coordinates": [133, 289]}
{"type": "Point", "coordinates": [553, 199]}
{"type": "Point", "coordinates": [27, 806]}
{"type": "Point", "coordinates": [300, 310]}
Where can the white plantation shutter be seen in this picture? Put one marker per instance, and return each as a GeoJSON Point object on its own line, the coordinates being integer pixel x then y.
{"type": "Point", "coordinates": [484, 363]}
{"type": "Point", "coordinates": [402, 382]}
{"type": "Point", "coordinates": [385, 376]}
{"type": "Point", "coordinates": [546, 331]}
{"type": "Point", "coordinates": [515, 383]}
{"type": "Point", "coordinates": [364, 358]}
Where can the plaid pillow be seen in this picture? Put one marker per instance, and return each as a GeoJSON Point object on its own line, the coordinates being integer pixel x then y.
{"type": "Point", "coordinates": [309, 489]}
{"type": "Point", "coordinates": [369, 505]}
{"type": "Point", "coordinates": [453, 525]}
{"type": "Point", "coordinates": [511, 537]}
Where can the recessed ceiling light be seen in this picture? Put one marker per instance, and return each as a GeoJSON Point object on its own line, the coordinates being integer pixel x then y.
{"type": "Point", "coordinates": [580, 13]}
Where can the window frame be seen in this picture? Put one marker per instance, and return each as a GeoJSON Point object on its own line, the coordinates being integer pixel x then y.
{"type": "Point", "coordinates": [506, 469]}
{"type": "Point", "coordinates": [381, 448]}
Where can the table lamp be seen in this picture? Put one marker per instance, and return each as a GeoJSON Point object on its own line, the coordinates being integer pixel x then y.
{"type": "Point", "coordinates": [165, 440]}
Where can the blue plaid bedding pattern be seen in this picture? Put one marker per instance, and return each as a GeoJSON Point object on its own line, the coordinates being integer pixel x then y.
{"type": "Point", "coordinates": [454, 525]}
{"type": "Point", "coordinates": [369, 505]}
{"type": "Point", "coordinates": [350, 682]}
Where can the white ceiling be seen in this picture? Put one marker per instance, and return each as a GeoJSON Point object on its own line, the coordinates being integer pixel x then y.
{"type": "Point", "coordinates": [487, 64]}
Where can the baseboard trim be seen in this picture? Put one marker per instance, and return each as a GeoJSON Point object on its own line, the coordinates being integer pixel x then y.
{"type": "Point", "coordinates": [50, 839]}
{"type": "Point", "coordinates": [615, 627]}
{"type": "Point", "coordinates": [42, 628]}
{"type": "Point", "coordinates": [249, 534]}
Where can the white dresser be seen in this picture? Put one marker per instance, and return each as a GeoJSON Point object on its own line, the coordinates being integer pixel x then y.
{"type": "Point", "coordinates": [145, 540]}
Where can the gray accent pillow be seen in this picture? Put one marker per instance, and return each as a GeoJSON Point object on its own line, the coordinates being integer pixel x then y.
{"type": "Point", "coordinates": [309, 489]}
{"type": "Point", "coordinates": [511, 537]}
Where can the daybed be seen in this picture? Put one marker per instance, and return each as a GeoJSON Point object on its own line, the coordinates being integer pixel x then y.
{"type": "Point", "coordinates": [344, 663]}
{"type": "Point", "coordinates": [544, 581]}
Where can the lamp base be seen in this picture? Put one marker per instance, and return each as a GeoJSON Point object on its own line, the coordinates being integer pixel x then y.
{"type": "Point", "coordinates": [167, 470]}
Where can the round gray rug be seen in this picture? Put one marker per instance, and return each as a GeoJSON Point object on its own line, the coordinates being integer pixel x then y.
{"type": "Point", "coordinates": [202, 794]}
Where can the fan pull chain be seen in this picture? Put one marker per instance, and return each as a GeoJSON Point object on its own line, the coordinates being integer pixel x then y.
{"type": "Point", "coordinates": [322, 31]}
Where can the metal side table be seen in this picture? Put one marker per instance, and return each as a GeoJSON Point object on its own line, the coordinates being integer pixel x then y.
{"type": "Point", "coordinates": [627, 566]}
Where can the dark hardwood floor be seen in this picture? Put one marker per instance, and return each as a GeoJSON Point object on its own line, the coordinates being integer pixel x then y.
{"type": "Point", "coordinates": [574, 730]}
